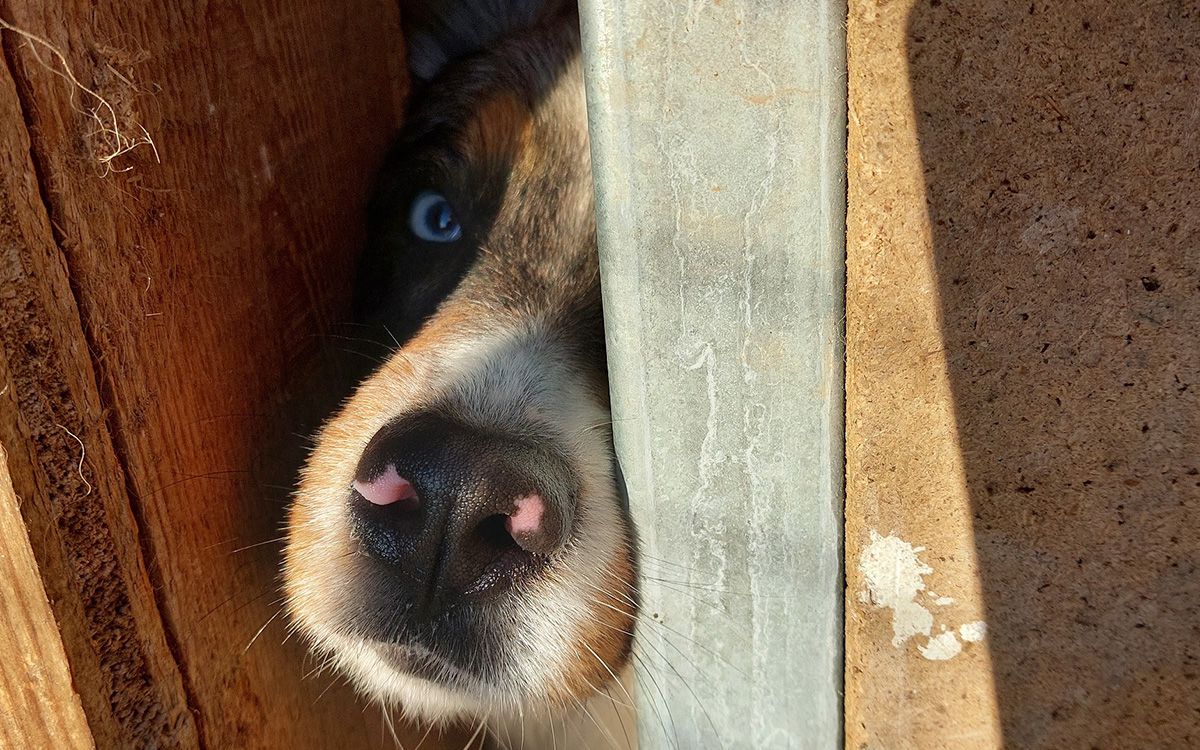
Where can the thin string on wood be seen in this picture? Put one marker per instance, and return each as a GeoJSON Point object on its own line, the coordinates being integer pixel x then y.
{"type": "Point", "coordinates": [114, 141]}
{"type": "Point", "coordinates": [82, 456]}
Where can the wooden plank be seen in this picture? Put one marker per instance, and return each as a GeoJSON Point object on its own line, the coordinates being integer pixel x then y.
{"type": "Point", "coordinates": [204, 282]}
{"type": "Point", "coordinates": [718, 153]}
{"type": "Point", "coordinates": [77, 511]}
{"type": "Point", "coordinates": [38, 704]}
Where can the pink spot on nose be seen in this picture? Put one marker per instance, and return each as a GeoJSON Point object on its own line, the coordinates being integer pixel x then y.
{"type": "Point", "coordinates": [389, 487]}
{"type": "Point", "coordinates": [526, 519]}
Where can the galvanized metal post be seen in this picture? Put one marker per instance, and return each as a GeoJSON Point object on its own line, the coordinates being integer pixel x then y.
{"type": "Point", "coordinates": [718, 140]}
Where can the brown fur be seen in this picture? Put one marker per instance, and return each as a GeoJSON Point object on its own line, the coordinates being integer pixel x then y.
{"type": "Point", "coordinates": [501, 132]}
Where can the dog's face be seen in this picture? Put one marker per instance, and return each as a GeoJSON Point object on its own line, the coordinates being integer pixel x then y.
{"type": "Point", "coordinates": [458, 545]}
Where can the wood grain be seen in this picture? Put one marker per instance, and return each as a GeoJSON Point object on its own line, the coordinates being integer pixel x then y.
{"type": "Point", "coordinates": [77, 511]}
{"type": "Point", "coordinates": [164, 316]}
{"type": "Point", "coordinates": [40, 707]}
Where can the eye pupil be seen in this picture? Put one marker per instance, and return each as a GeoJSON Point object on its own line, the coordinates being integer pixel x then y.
{"type": "Point", "coordinates": [432, 218]}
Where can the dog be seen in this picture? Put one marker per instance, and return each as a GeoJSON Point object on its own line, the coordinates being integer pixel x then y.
{"type": "Point", "coordinates": [458, 545]}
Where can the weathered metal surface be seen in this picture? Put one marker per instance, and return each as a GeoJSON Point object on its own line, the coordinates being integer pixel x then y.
{"type": "Point", "coordinates": [718, 145]}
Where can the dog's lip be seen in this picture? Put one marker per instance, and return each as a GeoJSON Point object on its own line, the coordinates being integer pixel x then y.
{"type": "Point", "coordinates": [420, 661]}
{"type": "Point", "coordinates": [417, 660]}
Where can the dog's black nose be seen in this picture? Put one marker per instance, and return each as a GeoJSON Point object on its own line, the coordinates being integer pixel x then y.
{"type": "Point", "coordinates": [457, 512]}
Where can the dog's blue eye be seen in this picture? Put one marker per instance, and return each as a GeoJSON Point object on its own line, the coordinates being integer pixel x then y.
{"type": "Point", "coordinates": [432, 218]}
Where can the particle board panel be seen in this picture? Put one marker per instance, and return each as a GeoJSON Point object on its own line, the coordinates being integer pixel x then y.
{"type": "Point", "coordinates": [1022, 424]}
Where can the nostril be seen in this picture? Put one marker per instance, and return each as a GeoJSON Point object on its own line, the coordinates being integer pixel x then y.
{"type": "Point", "coordinates": [491, 534]}
{"type": "Point", "coordinates": [388, 488]}
{"type": "Point", "coordinates": [517, 530]}
{"type": "Point", "coordinates": [498, 558]}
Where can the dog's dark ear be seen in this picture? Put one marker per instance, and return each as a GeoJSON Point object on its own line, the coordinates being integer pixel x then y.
{"type": "Point", "coordinates": [442, 31]}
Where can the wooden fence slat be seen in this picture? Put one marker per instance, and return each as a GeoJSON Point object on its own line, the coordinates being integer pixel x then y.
{"type": "Point", "coordinates": [38, 705]}
{"type": "Point", "coordinates": [164, 323]}
{"type": "Point", "coordinates": [76, 510]}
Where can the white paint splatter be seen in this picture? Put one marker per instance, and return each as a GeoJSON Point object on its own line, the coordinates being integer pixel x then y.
{"type": "Point", "coordinates": [941, 601]}
{"type": "Point", "coordinates": [941, 647]}
{"type": "Point", "coordinates": [893, 574]}
{"type": "Point", "coordinates": [973, 632]}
